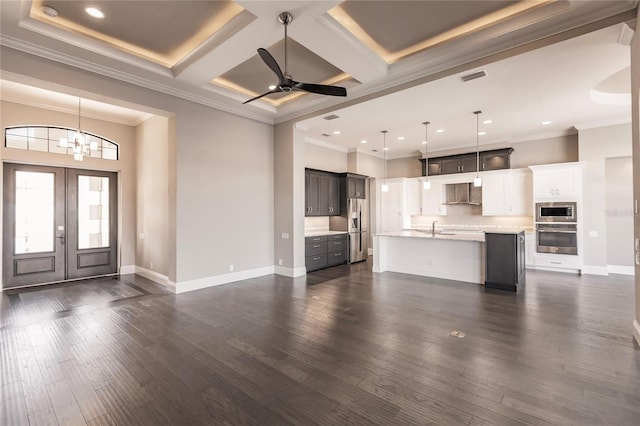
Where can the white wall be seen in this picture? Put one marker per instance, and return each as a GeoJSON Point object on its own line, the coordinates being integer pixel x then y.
{"type": "Point", "coordinates": [152, 207]}
{"type": "Point", "coordinates": [635, 119]}
{"type": "Point", "coordinates": [619, 212]}
{"type": "Point", "coordinates": [404, 167]}
{"type": "Point", "coordinates": [220, 174]}
{"type": "Point", "coordinates": [14, 114]}
{"type": "Point", "coordinates": [323, 158]}
{"type": "Point", "coordinates": [595, 146]}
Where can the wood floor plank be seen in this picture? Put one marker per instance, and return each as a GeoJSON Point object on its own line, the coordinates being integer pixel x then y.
{"type": "Point", "coordinates": [339, 346]}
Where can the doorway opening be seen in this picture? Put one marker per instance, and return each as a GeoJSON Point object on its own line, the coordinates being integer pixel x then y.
{"type": "Point", "coordinates": [59, 224]}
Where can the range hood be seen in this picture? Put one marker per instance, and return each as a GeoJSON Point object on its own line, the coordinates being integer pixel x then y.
{"type": "Point", "coordinates": [463, 193]}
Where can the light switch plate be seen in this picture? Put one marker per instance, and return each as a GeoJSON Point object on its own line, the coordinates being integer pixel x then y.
{"type": "Point", "coordinates": [285, 235]}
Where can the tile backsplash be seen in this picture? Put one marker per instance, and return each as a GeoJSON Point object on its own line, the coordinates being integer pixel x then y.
{"type": "Point", "coordinates": [473, 221]}
{"type": "Point", "coordinates": [316, 224]}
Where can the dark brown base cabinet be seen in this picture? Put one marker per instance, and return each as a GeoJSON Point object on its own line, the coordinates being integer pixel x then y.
{"type": "Point", "coordinates": [505, 260]}
{"type": "Point", "coordinates": [325, 250]}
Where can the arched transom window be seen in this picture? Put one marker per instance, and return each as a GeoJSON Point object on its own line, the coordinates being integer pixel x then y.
{"type": "Point", "coordinates": [59, 140]}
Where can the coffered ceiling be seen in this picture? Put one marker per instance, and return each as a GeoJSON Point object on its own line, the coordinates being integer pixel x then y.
{"type": "Point", "coordinates": [205, 51]}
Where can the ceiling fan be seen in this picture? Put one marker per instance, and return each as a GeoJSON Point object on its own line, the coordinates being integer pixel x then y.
{"type": "Point", "coordinates": [285, 83]}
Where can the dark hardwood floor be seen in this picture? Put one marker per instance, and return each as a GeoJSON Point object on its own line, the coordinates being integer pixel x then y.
{"type": "Point", "coordinates": [343, 346]}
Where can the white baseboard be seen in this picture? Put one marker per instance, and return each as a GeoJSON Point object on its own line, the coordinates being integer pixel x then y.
{"type": "Point", "coordinates": [127, 269]}
{"type": "Point", "coordinates": [636, 331]}
{"type": "Point", "coordinates": [152, 275]}
{"type": "Point", "coordinates": [290, 272]}
{"type": "Point", "coordinates": [200, 283]}
{"type": "Point", "coordinates": [595, 270]}
{"type": "Point", "coordinates": [622, 270]}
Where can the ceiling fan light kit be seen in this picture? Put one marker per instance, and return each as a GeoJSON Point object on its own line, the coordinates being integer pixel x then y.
{"type": "Point", "coordinates": [285, 83]}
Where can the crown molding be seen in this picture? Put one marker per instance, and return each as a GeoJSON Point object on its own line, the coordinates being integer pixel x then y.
{"type": "Point", "coordinates": [65, 59]}
{"type": "Point", "coordinates": [324, 144]}
{"type": "Point", "coordinates": [603, 123]}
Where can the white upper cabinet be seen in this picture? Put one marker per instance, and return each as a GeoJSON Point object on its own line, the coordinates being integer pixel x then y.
{"type": "Point", "coordinates": [507, 193]}
{"type": "Point", "coordinates": [433, 199]}
{"type": "Point", "coordinates": [412, 197]}
{"type": "Point", "coordinates": [557, 181]}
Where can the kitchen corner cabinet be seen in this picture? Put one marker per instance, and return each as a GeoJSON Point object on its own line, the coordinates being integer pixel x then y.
{"type": "Point", "coordinates": [561, 181]}
{"type": "Point", "coordinates": [322, 193]}
{"type": "Point", "coordinates": [507, 193]}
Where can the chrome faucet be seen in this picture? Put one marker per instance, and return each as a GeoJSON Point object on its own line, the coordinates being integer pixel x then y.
{"type": "Point", "coordinates": [433, 227]}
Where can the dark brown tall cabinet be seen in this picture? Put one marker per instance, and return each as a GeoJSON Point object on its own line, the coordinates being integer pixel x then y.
{"type": "Point", "coordinates": [322, 193]}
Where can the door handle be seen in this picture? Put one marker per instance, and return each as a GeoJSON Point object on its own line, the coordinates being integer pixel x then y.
{"type": "Point", "coordinates": [61, 238]}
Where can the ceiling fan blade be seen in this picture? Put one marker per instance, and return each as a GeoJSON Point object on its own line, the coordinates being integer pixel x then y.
{"type": "Point", "coordinates": [277, 90]}
{"type": "Point", "coordinates": [271, 63]}
{"type": "Point", "coordinates": [321, 89]}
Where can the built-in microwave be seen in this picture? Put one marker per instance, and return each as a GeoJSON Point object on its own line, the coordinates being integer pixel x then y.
{"type": "Point", "coordinates": [556, 212]}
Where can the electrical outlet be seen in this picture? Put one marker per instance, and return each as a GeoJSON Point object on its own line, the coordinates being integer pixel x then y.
{"type": "Point", "coordinates": [285, 235]}
{"type": "Point", "coordinates": [280, 262]}
{"type": "Point", "coordinates": [593, 234]}
{"type": "Point", "coordinates": [231, 268]}
{"type": "Point", "coordinates": [142, 235]}
{"type": "Point", "coordinates": [151, 265]}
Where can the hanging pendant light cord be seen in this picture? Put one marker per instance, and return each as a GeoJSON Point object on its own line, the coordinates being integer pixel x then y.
{"type": "Point", "coordinates": [477, 113]}
{"type": "Point", "coordinates": [426, 147]}
{"type": "Point", "coordinates": [384, 152]}
{"type": "Point", "coordinates": [79, 113]}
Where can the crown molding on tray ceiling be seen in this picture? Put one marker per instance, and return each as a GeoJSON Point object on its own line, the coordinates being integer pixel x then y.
{"type": "Point", "coordinates": [89, 66]}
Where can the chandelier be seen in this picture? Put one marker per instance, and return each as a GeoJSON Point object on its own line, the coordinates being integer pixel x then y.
{"type": "Point", "coordinates": [78, 144]}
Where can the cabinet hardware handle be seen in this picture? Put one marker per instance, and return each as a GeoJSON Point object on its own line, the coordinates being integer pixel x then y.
{"type": "Point", "coordinates": [556, 263]}
{"type": "Point", "coordinates": [338, 254]}
{"type": "Point", "coordinates": [316, 258]}
{"type": "Point", "coordinates": [316, 245]}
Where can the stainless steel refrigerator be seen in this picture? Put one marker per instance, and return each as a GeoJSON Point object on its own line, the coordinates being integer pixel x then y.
{"type": "Point", "coordinates": [357, 215]}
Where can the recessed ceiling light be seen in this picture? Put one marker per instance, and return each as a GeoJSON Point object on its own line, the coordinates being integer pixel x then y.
{"type": "Point", "coordinates": [400, 138]}
{"type": "Point", "coordinates": [385, 149]}
{"type": "Point", "coordinates": [49, 11]}
{"type": "Point", "coordinates": [544, 123]}
{"type": "Point", "coordinates": [424, 142]}
{"type": "Point", "coordinates": [336, 132]}
{"type": "Point", "coordinates": [273, 86]}
{"type": "Point", "coordinates": [440, 131]}
{"type": "Point", "coordinates": [95, 12]}
{"type": "Point", "coordinates": [363, 141]}
{"type": "Point", "coordinates": [482, 133]}
{"type": "Point", "coordinates": [487, 122]}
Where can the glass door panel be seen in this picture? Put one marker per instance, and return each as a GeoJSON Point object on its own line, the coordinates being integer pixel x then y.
{"type": "Point", "coordinates": [34, 211]}
{"type": "Point", "coordinates": [93, 212]}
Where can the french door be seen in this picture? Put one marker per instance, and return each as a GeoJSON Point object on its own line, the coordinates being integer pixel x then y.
{"type": "Point", "coordinates": [58, 224]}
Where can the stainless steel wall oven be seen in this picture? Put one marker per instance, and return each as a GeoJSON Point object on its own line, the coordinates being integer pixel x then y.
{"type": "Point", "coordinates": [558, 238]}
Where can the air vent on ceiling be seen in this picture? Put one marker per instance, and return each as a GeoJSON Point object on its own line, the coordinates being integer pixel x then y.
{"type": "Point", "coordinates": [473, 76]}
{"type": "Point", "coordinates": [331, 117]}
{"type": "Point", "coordinates": [374, 150]}
{"type": "Point", "coordinates": [326, 135]}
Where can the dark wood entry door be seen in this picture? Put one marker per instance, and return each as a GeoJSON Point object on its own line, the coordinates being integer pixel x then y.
{"type": "Point", "coordinates": [59, 224]}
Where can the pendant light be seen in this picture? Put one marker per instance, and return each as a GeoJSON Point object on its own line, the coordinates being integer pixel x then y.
{"type": "Point", "coordinates": [384, 187]}
{"type": "Point", "coordinates": [426, 184]}
{"type": "Point", "coordinates": [79, 144]}
{"type": "Point", "coordinates": [477, 181]}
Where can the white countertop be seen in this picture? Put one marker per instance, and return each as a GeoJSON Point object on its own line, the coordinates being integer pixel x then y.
{"type": "Point", "coordinates": [321, 233]}
{"type": "Point", "coordinates": [462, 236]}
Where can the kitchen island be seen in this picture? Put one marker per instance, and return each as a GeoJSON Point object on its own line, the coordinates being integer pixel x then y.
{"type": "Point", "coordinates": [454, 256]}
